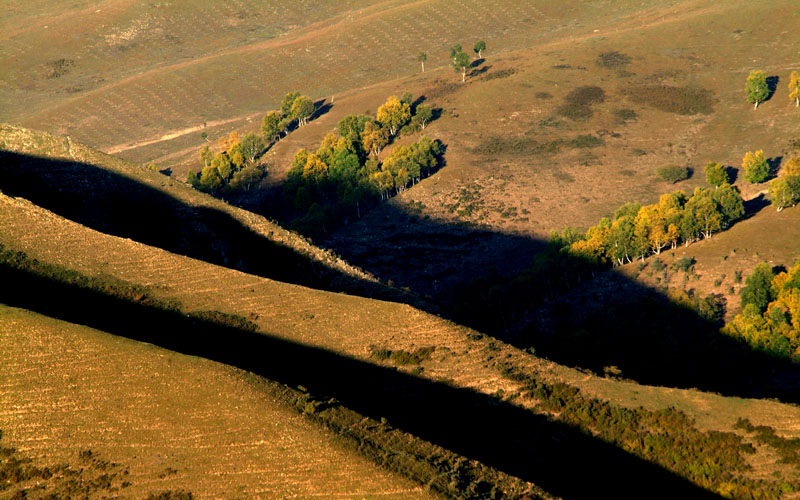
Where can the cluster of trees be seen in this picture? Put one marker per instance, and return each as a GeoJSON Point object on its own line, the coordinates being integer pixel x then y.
{"type": "Point", "coordinates": [345, 174]}
{"type": "Point", "coordinates": [770, 317]}
{"type": "Point", "coordinates": [232, 164]}
{"type": "Point", "coordinates": [232, 167]}
{"type": "Point", "coordinates": [784, 191]}
{"type": "Point", "coordinates": [460, 60]}
{"type": "Point", "coordinates": [295, 108]}
{"type": "Point", "coordinates": [636, 231]}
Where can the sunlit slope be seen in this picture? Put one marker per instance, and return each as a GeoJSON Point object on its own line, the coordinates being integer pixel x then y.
{"type": "Point", "coordinates": [83, 173]}
{"type": "Point", "coordinates": [111, 100]}
{"type": "Point", "coordinates": [166, 421]}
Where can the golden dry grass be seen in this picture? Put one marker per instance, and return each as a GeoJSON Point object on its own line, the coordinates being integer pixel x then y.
{"type": "Point", "coordinates": [172, 421]}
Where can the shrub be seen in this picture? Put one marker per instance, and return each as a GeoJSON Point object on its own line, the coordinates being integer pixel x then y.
{"type": "Point", "coordinates": [613, 60]}
{"type": "Point", "coordinates": [672, 173]}
{"type": "Point", "coordinates": [684, 264]}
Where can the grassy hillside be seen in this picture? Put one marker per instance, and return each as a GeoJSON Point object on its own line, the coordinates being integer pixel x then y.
{"type": "Point", "coordinates": [132, 420]}
{"type": "Point", "coordinates": [170, 76]}
{"type": "Point", "coordinates": [437, 365]}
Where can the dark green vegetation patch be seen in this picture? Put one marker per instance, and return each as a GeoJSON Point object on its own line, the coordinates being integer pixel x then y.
{"type": "Point", "coordinates": [613, 60]}
{"type": "Point", "coordinates": [678, 100]}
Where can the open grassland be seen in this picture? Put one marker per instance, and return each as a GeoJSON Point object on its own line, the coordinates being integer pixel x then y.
{"type": "Point", "coordinates": [151, 420]}
{"type": "Point", "coordinates": [135, 73]}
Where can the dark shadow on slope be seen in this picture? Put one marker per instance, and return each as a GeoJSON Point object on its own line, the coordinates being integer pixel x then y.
{"type": "Point", "coordinates": [115, 204]}
{"type": "Point", "coordinates": [518, 442]}
{"type": "Point", "coordinates": [434, 260]}
{"type": "Point", "coordinates": [569, 310]}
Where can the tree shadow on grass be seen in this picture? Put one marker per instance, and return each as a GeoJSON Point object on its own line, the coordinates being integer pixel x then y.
{"type": "Point", "coordinates": [774, 166]}
{"type": "Point", "coordinates": [496, 433]}
{"type": "Point", "coordinates": [772, 86]}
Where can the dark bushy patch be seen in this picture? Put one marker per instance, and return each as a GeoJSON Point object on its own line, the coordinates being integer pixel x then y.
{"type": "Point", "coordinates": [577, 104]}
{"type": "Point", "coordinates": [543, 95]}
{"type": "Point", "coordinates": [711, 459]}
{"type": "Point", "coordinates": [574, 112]}
{"type": "Point", "coordinates": [672, 173]}
{"type": "Point", "coordinates": [402, 357]}
{"type": "Point", "coordinates": [679, 100]}
{"type": "Point", "coordinates": [503, 73]}
{"type": "Point", "coordinates": [586, 141]}
{"type": "Point", "coordinates": [613, 60]}
{"type": "Point", "coordinates": [497, 145]}
{"type": "Point", "coordinates": [623, 116]}
{"type": "Point", "coordinates": [586, 95]}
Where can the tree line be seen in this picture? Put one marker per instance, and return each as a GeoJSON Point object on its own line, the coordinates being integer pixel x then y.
{"type": "Point", "coordinates": [345, 175]}
{"type": "Point", "coordinates": [231, 165]}
{"type": "Point", "coordinates": [636, 231]}
{"type": "Point", "coordinates": [770, 317]}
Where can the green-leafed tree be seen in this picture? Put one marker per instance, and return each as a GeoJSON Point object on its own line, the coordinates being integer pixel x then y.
{"type": "Point", "coordinates": [794, 88]}
{"type": "Point", "coordinates": [288, 102]}
{"type": "Point", "coordinates": [193, 179]}
{"type": "Point", "coordinates": [460, 63]}
{"type": "Point", "coordinates": [730, 203]}
{"type": "Point", "coordinates": [716, 174]}
{"type": "Point", "coordinates": [781, 194]}
{"type": "Point", "coordinates": [251, 146]}
{"type": "Point", "coordinates": [758, 287]}
{"type": "Point", "coordinates": [421, 58]}
{"type": "Point", "coordinates": [423, 115]}
{"type": "Point", "coordinates": [393, 114]}
{"type": "Point", "coordinates": [705, 212]}
{"type": "Point", "coordinates": [756, 88]}
{"type": "Point", "coordinates": [756, 168]}
{"type": "Point", "coordinates": [480, 46]}
{"type": "Point", "coordinates": [247, 177]}
{"type": "Point", "coordinates": [302, 110]}
{"type": "Point", "coordinates": [352, 127]}
{"type": "Point", "coordinates": [210, 180]}
{"type": "Point", "coordinates": [272, 126]}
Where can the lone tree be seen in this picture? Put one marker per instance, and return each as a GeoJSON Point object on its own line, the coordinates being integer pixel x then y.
{"type": "Point", "coordinates": [460, 64]}
{"type": "Point", "coordinates": [756, 87]}
{"type": "Point", "coordinates": [422, 57]}
{"type": "Point", "coordinates": [716, 174]}
{"type": "Point", "coordinates": [794, 88]}
{"type": "Point", "coordinates": [424, 115]}
{"type": "Point", "coordinates": [480, 46]}
{"type": "Point", "coordinates": [756, 168]}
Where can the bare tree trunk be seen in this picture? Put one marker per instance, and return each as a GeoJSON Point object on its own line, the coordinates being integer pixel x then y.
{"type": "Point", "coordinates": [756, 105]}
{"type": "Point", "coordinates": [423, 66]}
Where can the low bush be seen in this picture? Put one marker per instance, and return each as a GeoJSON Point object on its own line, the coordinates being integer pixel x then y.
{"type": "Point", "coordinates": [672, 173]}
